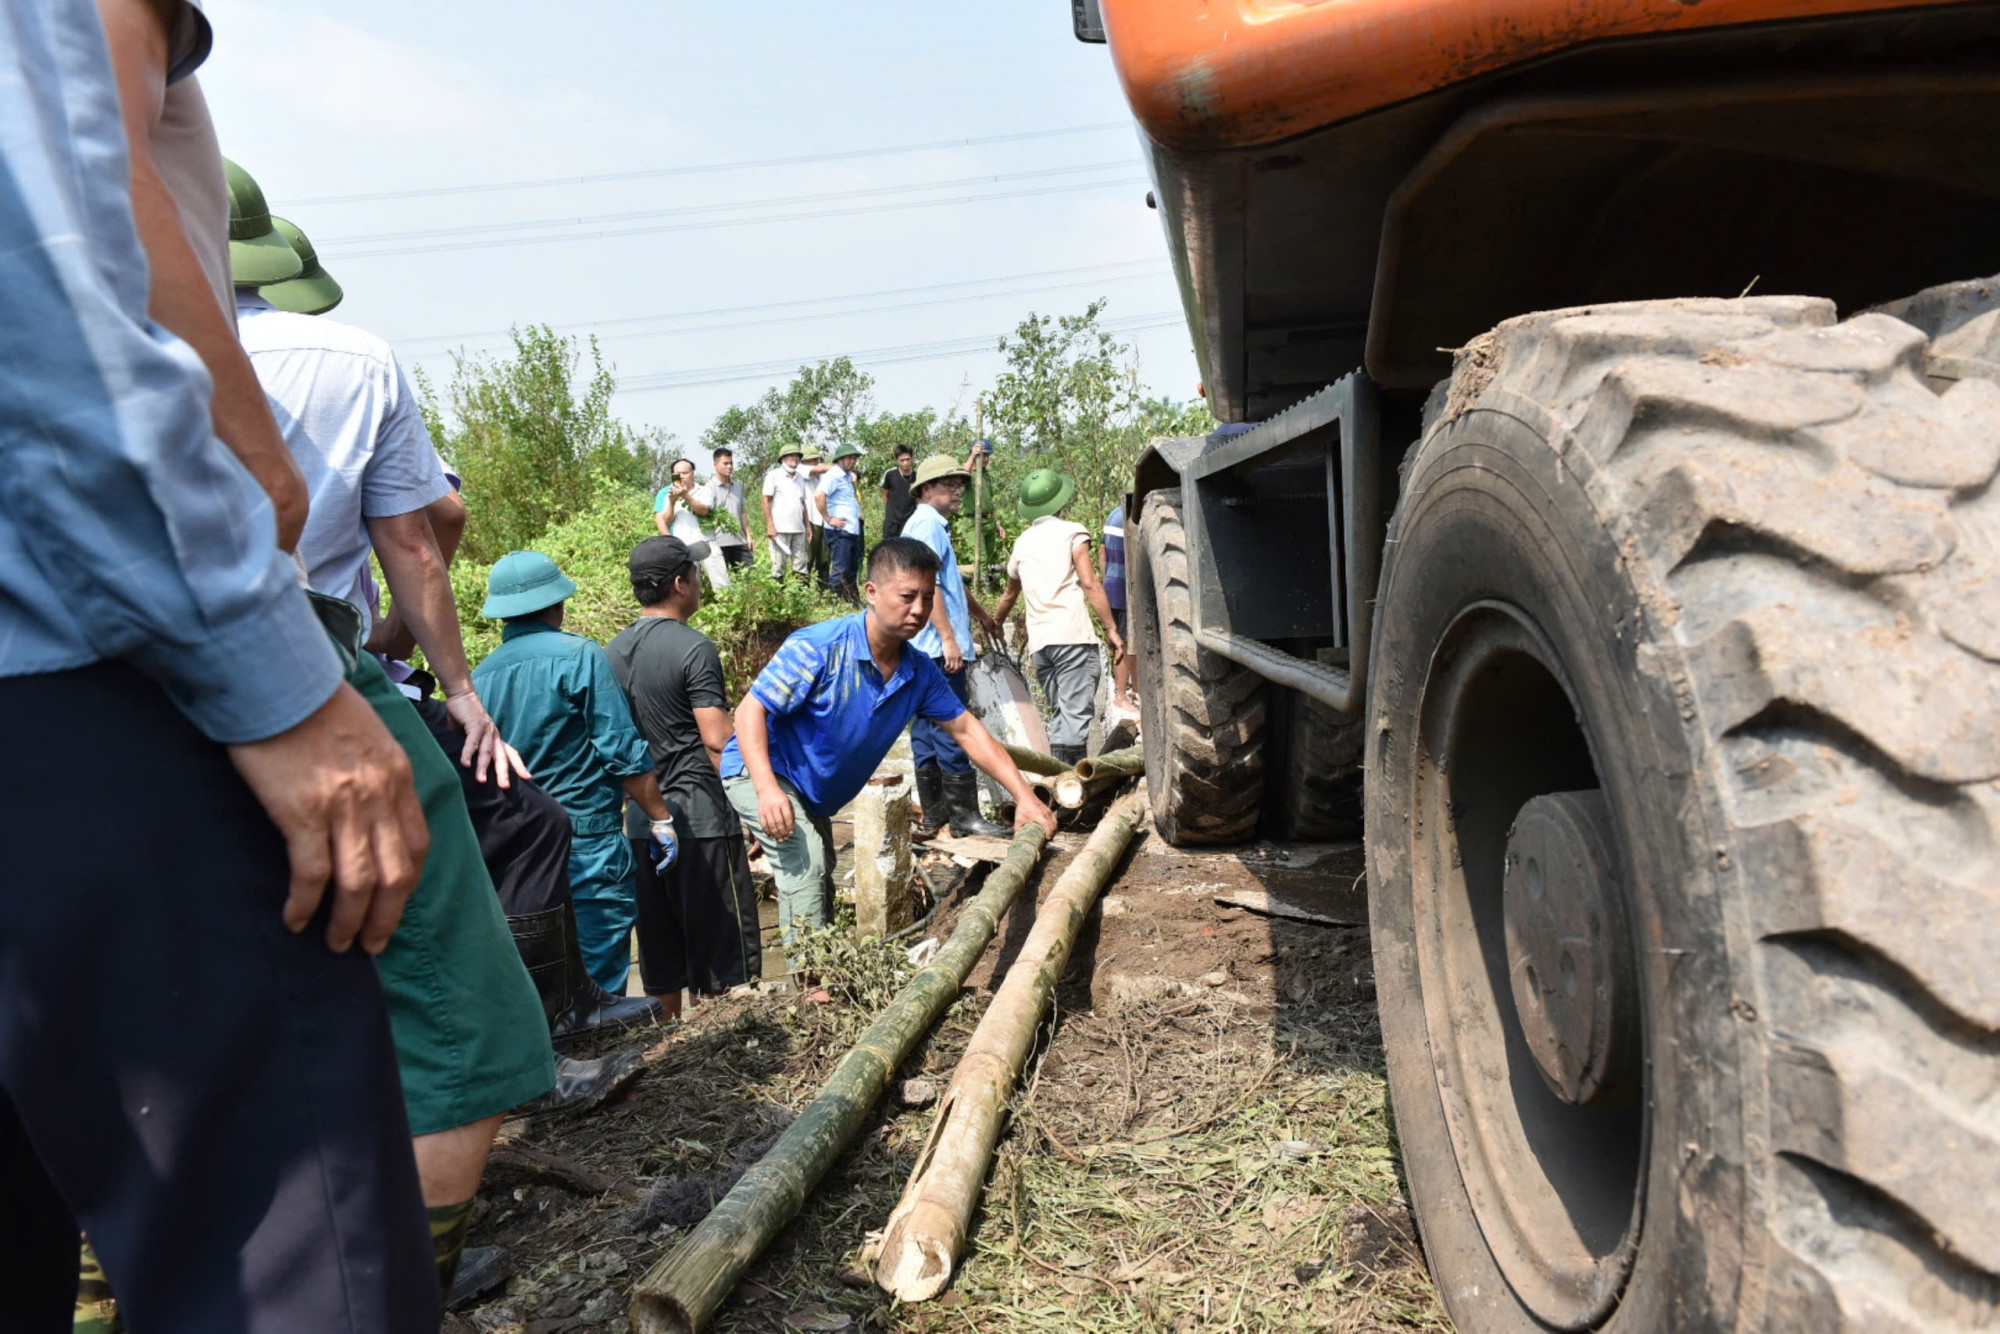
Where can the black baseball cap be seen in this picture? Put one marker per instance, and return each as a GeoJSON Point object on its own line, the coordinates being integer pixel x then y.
{"type": "Point", "coordinates": [664, 558]}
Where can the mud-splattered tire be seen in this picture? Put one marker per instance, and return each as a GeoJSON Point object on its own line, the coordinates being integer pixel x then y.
{"type": "Point", "coordinates": [1735, 566]}
{"type": "Point", "coordinates": [1321, 795]}
{"type": "Point", "coordinates": [1202, 715]}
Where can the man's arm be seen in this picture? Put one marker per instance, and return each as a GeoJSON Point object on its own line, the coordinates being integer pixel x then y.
{"type": "Point", "coordinates": [391, 636]}
{"type": "Point", "coordinates": [717, 726]}
{"type": "Point", "coordinates": [770, 525]}
{"type": "Point", "coordinates": [984, 618]}
{"type": "Point", "coordinates": [645, 789]}
{"type": "Point", "coordinates": [753, 740]}
{"type": "Point", "coordinates": [992, 757]}
{"type": "Point", "coordinates": [421, 587]}
{"type": "Point", "coordinates": [1093, 592]}
{"type": "Point", "coordinates": [1006, 603]}
{"type": "Point", "coordinates": [180, 297]}
{"type": "Point", "coordinates": [702, 508]}
{"type": "Point", "coordinates": [954, 656]}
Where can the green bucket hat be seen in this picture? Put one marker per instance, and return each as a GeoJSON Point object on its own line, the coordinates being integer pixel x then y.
{"type": "Point", "coordinates": [936, 468]}
{"type": "Point", "coordinates": [1045, 491]}
{"type": "Point", "coordinates": [846, 452]}
{"type": "Point", "coordinates": [523, 582]}
{"type": "Point", "coordinates": [257, 254]}
{"type": "Point", "coordinates": [313, 292]}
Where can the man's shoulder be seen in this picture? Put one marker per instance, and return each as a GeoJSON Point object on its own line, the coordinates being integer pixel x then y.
{"type": "Point", "coordinates": [270, 330]}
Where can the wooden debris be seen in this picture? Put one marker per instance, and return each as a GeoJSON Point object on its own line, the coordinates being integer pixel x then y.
{"type": "Point", "coordinates": [981, 848]}
{"type": "Point", "coordinates": [518, 1163]}
{"type": "Point", "coordinates": [926, 1233]}
{"type": "Point", "coordinates": [680, 1294]}
{"type": "Point", "coordinates": [1270, 905]}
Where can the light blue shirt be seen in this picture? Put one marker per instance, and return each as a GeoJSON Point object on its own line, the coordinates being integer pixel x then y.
{"type": "Point", "coordinates": [841, 501]}
{"type": "Point", "coordinates": [127, 530]}
{"type": "Point", "coordinates": [934, 531]}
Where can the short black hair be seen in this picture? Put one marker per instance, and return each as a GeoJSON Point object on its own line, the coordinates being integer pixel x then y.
{"type": "Point", "coordinates": [678, 462]}
{"type": "Point", "coordinates": [898, 554]}
{"type": "Point", "coordinates": [903, 449]}
{"type": "Point", "coordinates": [720, 450]}
{"type": "Point", "coordinates": [653, 588]}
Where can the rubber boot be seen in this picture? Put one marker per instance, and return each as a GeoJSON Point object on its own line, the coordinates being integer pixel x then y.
{"type": "Point", "coordinates": [1069, 754]}
{"type": "Point", "coordinates": [481, 1270]}
{"type": "Point", "coordinates": [590, 1006]}
{"type": "Point", "coordinates": [930, 797]}
{"type": "Point", "coordinates": [582, 1086]}
{"type": "Point", "coordinates": [961, 794]}
{"type": "Point", "coordinates": [542, 939]}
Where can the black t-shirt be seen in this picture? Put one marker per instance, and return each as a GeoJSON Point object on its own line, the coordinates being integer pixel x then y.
{"type": "Point", "coordinates": [668, 670]}
{"type": "Point", "coordinates": [901, 504]}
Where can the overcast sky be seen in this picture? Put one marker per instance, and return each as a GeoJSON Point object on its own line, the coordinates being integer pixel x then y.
{"type": "Point", "coordinates": [717, 282]}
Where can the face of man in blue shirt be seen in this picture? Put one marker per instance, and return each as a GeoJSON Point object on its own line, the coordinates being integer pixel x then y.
{"type": "Point", "coordinates": [901, 603]}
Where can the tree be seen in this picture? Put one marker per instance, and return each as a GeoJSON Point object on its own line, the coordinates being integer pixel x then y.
{"type": "Point", "coordinates": [821, 406]}
{"type": "Point", "coordinates": [534, 439]}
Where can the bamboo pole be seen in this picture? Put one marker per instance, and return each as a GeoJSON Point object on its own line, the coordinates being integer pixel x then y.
{"type": "Point", "coordinates": [1127, 763]}
{"type": "Point", "coordinates": [681, 1293]}
{"type": "Point", "coordinates": [926, 1233]}
{"type": "Point", "coordinates": [1033, 761]}
{"type": "Point", "coordinates": [1094, 777]}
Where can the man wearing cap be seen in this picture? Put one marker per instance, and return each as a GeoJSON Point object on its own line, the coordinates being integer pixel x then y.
{"type": "Point", "coordinates": [840, 508]}
{"type": "Point", "coordinates": [724, 531]}
{"type": "Point", "coordinates": [785, 524]}
{"type": "Point", "coordinates": [897, 500]}
{"type": "Point", "coordinates": [823, 713]}
{"type": "Point", "coordinates": [556, 695]}
{"type": "Point", "coordinates": [698, 927]}
{"type": "Point", "coordinates": [1051, 564]}
{"type": "Point", "coordinates": [812, 469]}
{"type": "Point", "coordinates": [946, 786]}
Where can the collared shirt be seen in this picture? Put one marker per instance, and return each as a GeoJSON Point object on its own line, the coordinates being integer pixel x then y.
{"type": "Point", "coordinates": [556, 700]}
{"type": "Point", "coordinates": [787, 491]}
{"type": "Point", "coordinates": [729, 499]}
{"type": "Point", "coordinates": [127, 530]}
{"type": "Point", "coordinates": [932, 529]}
{"type": "Point", "coordinates": [832, 716]}
{"type": "Point", "coordinates": [355, 427]}
{"type": "Point", "coordinates": [1114, 558]}
{"type": "Point", "coordinates": [841, 501]}
{"type": "Point", "coordinates": [1044, 561]}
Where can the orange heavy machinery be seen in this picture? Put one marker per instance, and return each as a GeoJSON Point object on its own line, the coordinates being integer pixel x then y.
{"type": "Point", "coordinates": [1617, 535]}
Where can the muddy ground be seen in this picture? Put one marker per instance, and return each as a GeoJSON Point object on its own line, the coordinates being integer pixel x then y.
{"type": "Point", "coordinates": [1200, 1144]}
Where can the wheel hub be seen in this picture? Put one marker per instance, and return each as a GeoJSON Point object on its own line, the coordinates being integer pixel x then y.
{"type": "Point", "coordinates": [1572, 983]}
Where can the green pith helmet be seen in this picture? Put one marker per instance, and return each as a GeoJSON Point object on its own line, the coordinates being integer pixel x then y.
{"type": "Point", "coordinates": [257, 254]}
{"type": "Point", "coordinates": [1045, 491]}
{"type": "Point", "coordinates": [522, 582]}
{"type": "Point", "coordinates": [846, 452]}
{"type": "Point", "coordinates": [936, 468]}
{"type": "Point", "coordinates": [313, 292]}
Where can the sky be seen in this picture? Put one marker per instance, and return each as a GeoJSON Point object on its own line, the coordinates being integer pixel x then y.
{"type": "Point", "coordinates": [1018, 184]}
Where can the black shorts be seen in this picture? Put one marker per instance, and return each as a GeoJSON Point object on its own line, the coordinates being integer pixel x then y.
{"type": "Point", "coordinates": [1118, 619]}
{"type": "Point", "coordinates": [698, 926]}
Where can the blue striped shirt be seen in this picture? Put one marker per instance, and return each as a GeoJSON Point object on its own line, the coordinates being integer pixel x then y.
{"type": "Point", "coordinates": [1114, 558]}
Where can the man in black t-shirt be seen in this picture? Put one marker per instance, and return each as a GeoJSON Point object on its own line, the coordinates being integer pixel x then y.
{"type": "Point", "coordinates": [898, 502]}
{"type": "Point", "coordinates": [698, 925]}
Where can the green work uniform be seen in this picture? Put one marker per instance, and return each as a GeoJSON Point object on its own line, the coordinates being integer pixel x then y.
{"type": "Point", "coordinates": [471, 1040]}
{"type": "Point", "coordinates": [556, 701]}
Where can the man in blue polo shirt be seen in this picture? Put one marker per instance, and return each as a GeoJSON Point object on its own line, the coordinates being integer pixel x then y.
{"type": "Point", "coordinates": [824, 712]}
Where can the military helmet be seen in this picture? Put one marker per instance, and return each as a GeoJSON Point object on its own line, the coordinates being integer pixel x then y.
{"type": "Point", "coordinates": [313, 292]}
{"type": "Point", "coordinates": [257, 254]}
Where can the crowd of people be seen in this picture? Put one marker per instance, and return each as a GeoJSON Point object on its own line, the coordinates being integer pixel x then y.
{"type": "Point", "coordinates": [256, 1047]}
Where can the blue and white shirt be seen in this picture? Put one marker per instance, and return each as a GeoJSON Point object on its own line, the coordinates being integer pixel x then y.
{"type": "Point", "coordinates": [934, 531]}
{"type": "Point", "coordinates": [841, 501]}
{"type": "Point", "coordinates": [1114, 558]}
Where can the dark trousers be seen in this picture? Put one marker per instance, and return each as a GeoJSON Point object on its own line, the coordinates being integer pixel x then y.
{"type": "Point", "coordinates": [524, 833]}
{"type": "Point", "coordinates": [844, 549]}
{"type": "Point", "coordinates": [214, 1099]}
{"type": "Point", "coordinates": [930, 745]}
{"type": "Point", "coordinates": [698, 927]}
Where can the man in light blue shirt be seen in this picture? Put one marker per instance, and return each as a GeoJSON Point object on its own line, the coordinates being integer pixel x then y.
{"type": "Point", "coordinates": [946, 787]}
{"type": "Point", "coordinates": [151, 1021]}
{"type": "Point", "coordinates": [840, 505]}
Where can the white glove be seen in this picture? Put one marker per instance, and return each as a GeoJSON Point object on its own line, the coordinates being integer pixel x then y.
{"type": "Point", "coordinates": [670, 848]}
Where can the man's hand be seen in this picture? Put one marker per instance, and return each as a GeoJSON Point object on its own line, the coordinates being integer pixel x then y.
{"type": "Point", "coordinates": [953, 659]}
{"type": "Point", "coordinates": [774, 812]}
{"type": "Point", "coordinates": [1118, 649]}
{"type": "Point", "coordinates": [987, 622]}
{"type": "Point", "coordinates": [483, 746]}
{"type": "Point", "coordinates": [1032, 811]}
{"type": "Point", "coordinates": [340, 790]}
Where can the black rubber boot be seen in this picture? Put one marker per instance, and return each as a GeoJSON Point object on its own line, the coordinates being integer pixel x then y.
{"type": "Point", "coordinates": [961, 794]}
{"type": "Point", "coordinates": [481, 1270]}
{"type": "Point", "coordinates": [1069, 754]}
{"type": "Point", "coordinates": [590, 1006]}
{"type": "Point", "coordinates": [583, 1085]}
{"type": "Point", "coordinates": [543, 940]}
{"type": "Point", "coordinates": [930, 796]}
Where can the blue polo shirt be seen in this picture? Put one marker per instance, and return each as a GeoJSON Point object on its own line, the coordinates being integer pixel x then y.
{"type": "Point", "coordinates": [934, 531]}
{"type": "Point", "coordinates": [833, 717]}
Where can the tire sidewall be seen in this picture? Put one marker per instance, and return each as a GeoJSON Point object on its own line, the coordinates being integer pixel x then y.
{"type": "Point", "coordinates": [1492, 512]}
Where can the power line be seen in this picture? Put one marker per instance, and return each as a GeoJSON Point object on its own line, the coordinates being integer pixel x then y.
{"type": "Point", "coordinates": [773, 312]}
{"type": "Point", "coordinates": [704, 168]}
{"type": "Point", "coordinates": [657, 229]}
{"type": "Point", "coordinates": [881, 356]}
{"type": "Point", "coordinates": [698, 210]}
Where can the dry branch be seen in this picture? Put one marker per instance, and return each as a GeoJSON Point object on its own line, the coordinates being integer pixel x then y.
{"type": "Point", "coordinates": [926, 1233]}
{"type": "Point", "coordinates": [680, 1293]}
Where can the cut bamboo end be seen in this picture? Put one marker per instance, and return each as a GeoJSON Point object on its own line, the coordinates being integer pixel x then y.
{"type": "Point", "coordinates": [914, 1267]}
{"type": "Point", "coordinates": [659, 1315]}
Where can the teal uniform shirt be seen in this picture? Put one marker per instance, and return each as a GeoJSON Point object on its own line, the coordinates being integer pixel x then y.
{"type": "Point", "coordinates": [555, 699]}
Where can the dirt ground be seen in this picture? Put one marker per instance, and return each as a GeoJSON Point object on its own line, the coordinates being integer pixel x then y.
{"type": "Point", "coordinates": [1201, 1142]}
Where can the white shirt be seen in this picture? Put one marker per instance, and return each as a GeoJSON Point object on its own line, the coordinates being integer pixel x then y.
{"type": "Point", "coordinates": [729, 499]}
{"type": "Point", "coordinates": [1042, 560]}
{"type": "Point", "coordinates": [354, 426]}
{"type": "Point", "coordinates": [787, 491]}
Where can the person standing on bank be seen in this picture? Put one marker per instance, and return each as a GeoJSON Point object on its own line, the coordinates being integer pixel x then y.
{"type": "Point", "coordinates": [1114, 593]}
{"type": "Point", "coordinates": [672, 512]}
{"type": "Point", "coordinates": [1051, 564]}
{"type": "Point", "coordinates": [728, 545]}
{"type": "Point", "coordinates": [946, 786]}
{"type": "Point", "coordinates": [811, 469]}
{"type": "Point", "coordinates": [698, 928]}
{"type": "Point", "coordinates": [556, 695]}
{"type": "Point", "coordinates": [823, 713]}
{"type": "Point", "coordinates": [897, 500]}
{"type": "Point", "coordinates": [785, 515]}
{"type": "Point", "coordinates": [840, 507]}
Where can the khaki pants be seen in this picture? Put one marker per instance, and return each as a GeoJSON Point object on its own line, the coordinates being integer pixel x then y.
{"type": "Point", "coordinates": [802, 864]}
{"type": "Point", "coordinates": [789, 553]}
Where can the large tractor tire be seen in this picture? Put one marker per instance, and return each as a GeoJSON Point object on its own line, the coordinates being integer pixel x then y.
{"type": "Point", "coordinates": [1682, 758]}
{"type": "Point", "coordinates": [1321, 798]}
{"type": "Point", "coordinates": [1202, 715]}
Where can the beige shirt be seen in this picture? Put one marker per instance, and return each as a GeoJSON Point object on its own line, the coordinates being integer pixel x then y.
{"type": "Point", "coordinates": [1050, 590]}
